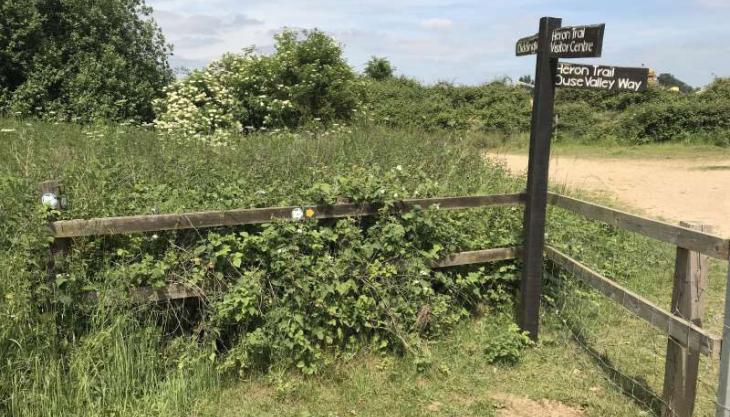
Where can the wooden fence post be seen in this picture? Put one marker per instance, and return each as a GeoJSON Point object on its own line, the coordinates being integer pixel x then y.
{"type": "Point", "coordinates": [52, 197]}
{"type": "Point", "coordinates": [722, 404]}
{"type": "Point", "coordinates": [688, 301]}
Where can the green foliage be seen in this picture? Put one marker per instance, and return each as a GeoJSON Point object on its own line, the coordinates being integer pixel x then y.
{"type": "Point", "coordinates": [682, 119]}
{"type": "Point", "coordinates": [73, 60]}
{"type": "Point", "coordinates": [305, 80]}
{"type": "Point", "coordinates": [494, 107]}
{"type": "Point", "coordinates": [507, 345]}
{"type": "Point", "coordinates": [656, 115]}
{"type": "Point", "coordinates": [719, 89]}
{"type": "Point", "coordinates": [527, 79]}
{"type": "Point", "coordinates": [575, 118]}
{"type": "Point", "coordinates": [669, 80]}
{"type": "Point", "coordinates": [610, 102]}
{"type": "Point", "coordinates": [379, 68]}
{"type": "Point", "coordinates": [285, 294]}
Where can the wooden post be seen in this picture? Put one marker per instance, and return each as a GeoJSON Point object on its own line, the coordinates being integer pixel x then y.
{"type": "Point", "coordinates": [688, 301]}
{"type": "Point", "coordinates": [537, 179]}
{"type": "Point", "coordinates": [52, 197]}
{"type": "Point", "coordinates": [722, 404]}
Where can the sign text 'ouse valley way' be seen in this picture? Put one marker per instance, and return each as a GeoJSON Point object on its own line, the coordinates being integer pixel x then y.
{"type": "Point", "coordinates": [602, 77]}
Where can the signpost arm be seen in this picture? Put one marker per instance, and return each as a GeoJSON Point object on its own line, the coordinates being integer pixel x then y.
{"type": "Point", "coordinates": [537, 179]}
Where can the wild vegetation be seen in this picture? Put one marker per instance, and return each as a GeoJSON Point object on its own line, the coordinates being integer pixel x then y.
{"type": "Point", "coordinates": [283, 299]}
{"type": "Point", "coordinates": [501, 109]}
{"type": "Point", "coordinates": [306, 80]}
{"type": "Point", "coordinates": [296, 294]}
{"type": "Point", "coordinates": [75, 61]}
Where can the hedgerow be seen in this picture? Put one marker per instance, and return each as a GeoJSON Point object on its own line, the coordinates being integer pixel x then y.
{"type": "Point", "coordinates": [402, 102]}
{"type": "Point", "coordinates": [655, 115]}
{"type": "Point", "coordinates": [678, 120]}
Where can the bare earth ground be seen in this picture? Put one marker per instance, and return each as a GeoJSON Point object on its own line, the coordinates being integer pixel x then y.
{"type": "Point", "coordinates": [514, 406]}
{"type": "Point", "coordinates": [671, 190]}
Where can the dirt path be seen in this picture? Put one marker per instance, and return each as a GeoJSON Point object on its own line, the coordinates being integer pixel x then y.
{"type": "Point", "coordinates": [672, 189]}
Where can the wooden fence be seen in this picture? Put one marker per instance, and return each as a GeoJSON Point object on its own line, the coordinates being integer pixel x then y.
{"type": "Point", "coordinates": [681, 324]}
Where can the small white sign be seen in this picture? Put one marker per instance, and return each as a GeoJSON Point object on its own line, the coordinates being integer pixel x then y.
{"type": "Point", "coordinates": [49, 200]}
{"type": "Point", "coordinates": [297, 213]}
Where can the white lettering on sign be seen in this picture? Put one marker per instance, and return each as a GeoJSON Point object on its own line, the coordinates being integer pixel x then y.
{"type": "Point", "coordinates": [627, 84]}
{"type": "Point", "coordinates": [526, 46]}
{"type": "Point", "coordinates": [577, 41]}
{"type": "Point", "coordinates": [572, 47]}
{"type": "Point", "coordinates": [601, 77]}
{"type": "Point", "coordinates": [573, 70]}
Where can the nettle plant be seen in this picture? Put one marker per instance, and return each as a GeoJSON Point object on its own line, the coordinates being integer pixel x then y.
{"type": "Point", "coordinates": [306, 79]}
{"type": "Point", "coordinates": [302, 293]}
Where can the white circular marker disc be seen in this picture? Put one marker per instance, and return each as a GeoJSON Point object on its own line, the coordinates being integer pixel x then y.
{"type": "Point", "coordinates": [297, 213]}
{"type": "Point", "coordinates": [49, 200]}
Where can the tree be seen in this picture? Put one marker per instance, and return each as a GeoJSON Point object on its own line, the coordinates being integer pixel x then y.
{"type": "Point", "coordinates": [669, 80]}
{"type": "Point", "coordinates": [81, 60]}
{"type": "Point", "coordinates": [379, 68]}
{"type": "Point", "coordinates": [527, 79]}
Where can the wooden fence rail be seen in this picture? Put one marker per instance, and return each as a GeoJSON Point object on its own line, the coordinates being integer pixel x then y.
{"type": "Point", "coordinates": [203, 219]}
{"type": "Point", "coordinates": [684, 237]}
{"type": "Point", "coordinates": [681, 330]}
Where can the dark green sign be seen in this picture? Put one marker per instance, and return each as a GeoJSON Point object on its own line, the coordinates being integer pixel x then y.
{"type": "Point", "coordinates": [602, 77]}
{"type": "Point", "coordinates": [577, 41]}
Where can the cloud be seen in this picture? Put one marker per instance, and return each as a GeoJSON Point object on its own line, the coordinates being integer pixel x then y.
{"type": "Point", "coordinates": [196, 41]}
{"type": "Point", "coordinates": [199, 36]}
{"type": "Point", "coordinates": [467, 41]}
{"type": "Point", "coordinates": [437, 23]}
{"type": "Point", "coordinates": [186, 25]}
{"type": "Point", "coordinates": [714, 4]}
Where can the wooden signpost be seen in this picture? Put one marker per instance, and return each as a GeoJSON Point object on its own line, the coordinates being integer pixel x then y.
{"type": "Point", "coordinates": [551, 43]}
{"type": "Point", "coordinates": [537, 178]}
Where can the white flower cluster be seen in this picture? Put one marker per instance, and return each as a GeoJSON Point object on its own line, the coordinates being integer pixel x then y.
{"type": "Point", "coordinates": [199, 107]}
{"type": "Point", "coordinates": [229, 95]}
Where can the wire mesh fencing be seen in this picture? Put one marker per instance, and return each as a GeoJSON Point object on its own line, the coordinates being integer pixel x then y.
{"type": "Point", "coordinates": [632, 351]}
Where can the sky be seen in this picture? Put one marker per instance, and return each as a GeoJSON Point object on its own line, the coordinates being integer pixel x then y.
{"type": "Point", "coordinates": [464, 42]}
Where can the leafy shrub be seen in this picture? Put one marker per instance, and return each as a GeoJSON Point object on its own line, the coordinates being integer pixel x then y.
{"type": "Point", "coordinates": [294, 292]}
{"type": "Point", "coordinates": [612, 101]}
{"type": "Point", "coordinates": [79, 61]}
{"type": "Point", "coordinates": [675, 120]}
{"type": "Point", "coordinates": [379, 69]}
{"type": "Point", "coordinates": [719, 89]}
{"type": "Point", "coordinates": [403, 102]}
{"type": "Point", "coordinates": [506, 347]}
{"type": "Point", "coordinates": [305, 79]}
{"type": "Point", "coordinates": [575, 119]}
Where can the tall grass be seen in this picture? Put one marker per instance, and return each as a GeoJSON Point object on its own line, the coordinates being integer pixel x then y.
{"type": "Point", "coordinates": [60, 357]}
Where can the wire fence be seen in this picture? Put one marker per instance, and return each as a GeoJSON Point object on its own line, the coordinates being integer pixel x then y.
{"type": "Point", "coordinates": [631, 351]}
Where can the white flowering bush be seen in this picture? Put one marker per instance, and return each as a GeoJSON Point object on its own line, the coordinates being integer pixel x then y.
{"type": "Point", "coordinates": [305, 79]}
{"type": "Point", "coordinates": [199, 106]}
